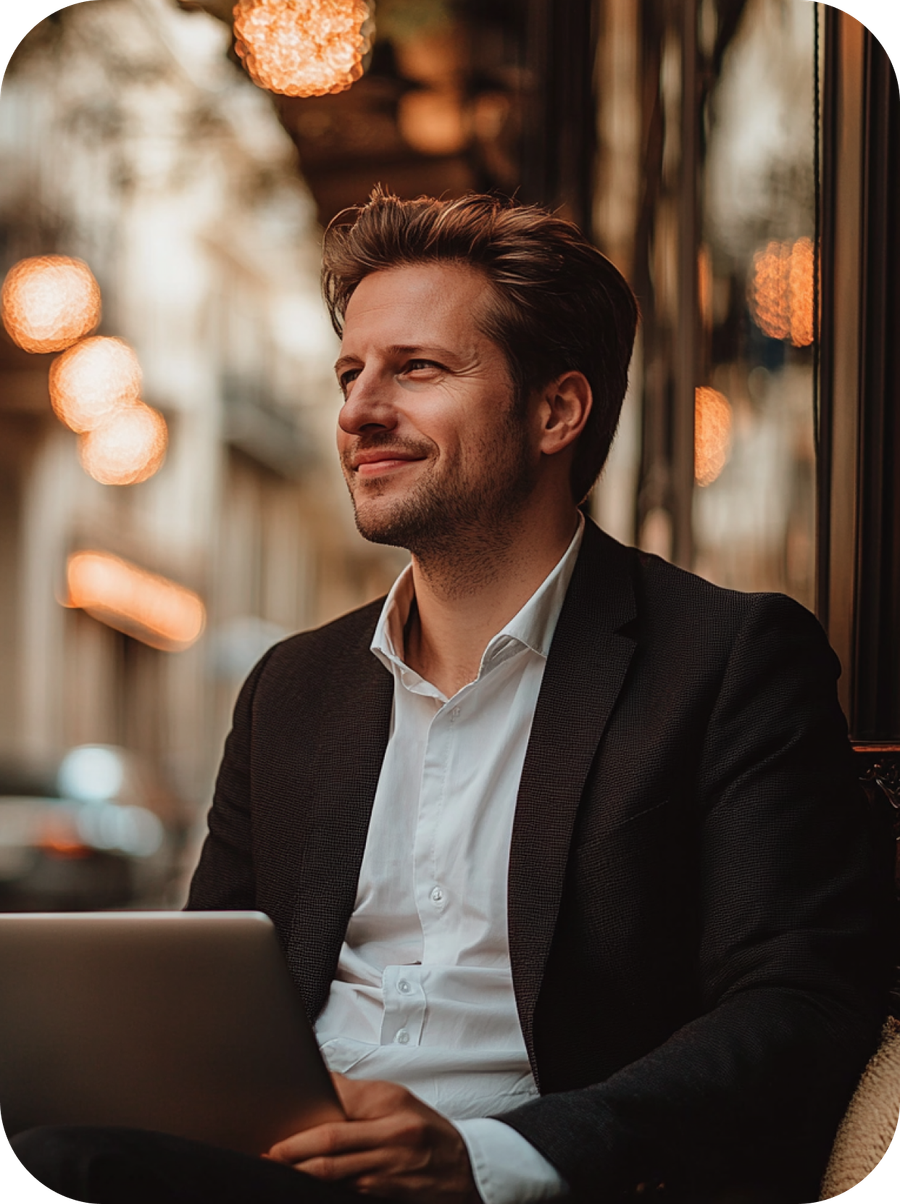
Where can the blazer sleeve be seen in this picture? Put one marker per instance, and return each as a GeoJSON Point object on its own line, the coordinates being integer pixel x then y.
{"type": "Point", "coordinates": [793, 954]}
{"type": "Point", "coordinates": [224, 878]}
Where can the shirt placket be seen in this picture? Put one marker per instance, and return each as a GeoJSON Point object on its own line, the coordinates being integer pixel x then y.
{"type": "Point", "coordinates": [403, 992]}
{"type": "Point", "coordinates": [432, 894]}
{"type": "Point", "coordinates": [404, 1006]}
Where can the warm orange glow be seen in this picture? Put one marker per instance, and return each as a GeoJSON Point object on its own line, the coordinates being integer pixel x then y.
{"type": "Point", "coordinates": [58, 836]}
{"type": "Point", "coordinates": [93, 379]}
{"type": "Point", "coordinates": [49, 302]}
{"type": "Point", "coordinates": [153, 609]}
{"type": "Point", "coordinates": [302, 47]}
{"type": "Point", "coordinates": [712, 434]}
{"type": "Point", "coordinates": [705, 286]}
{"type": "Point", "coordinates": [129, 447]}
{"type": "Point", "coordinates": [781, 291]}
{"type": "Point", "coordinates": [801, 287]}
{"type": "Point", "coordinates": [770, 290]}
{"type": "Point", "coordinates": [432, 122]}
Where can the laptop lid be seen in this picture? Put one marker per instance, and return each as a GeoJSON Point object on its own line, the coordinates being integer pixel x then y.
{"type": "Point", "coordinates": [181, 1022]}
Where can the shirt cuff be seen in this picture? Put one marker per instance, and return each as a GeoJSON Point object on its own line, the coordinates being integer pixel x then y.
{"type": "Point", "coordinates": [506, 1167]}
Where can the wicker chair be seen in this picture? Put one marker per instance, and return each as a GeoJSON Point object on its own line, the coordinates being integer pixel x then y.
{"type": "Point", "coordinates": [868, 1126]}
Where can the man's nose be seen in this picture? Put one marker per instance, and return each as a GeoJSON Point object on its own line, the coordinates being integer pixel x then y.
{"type": "Point", "coordinates": [368, 406]}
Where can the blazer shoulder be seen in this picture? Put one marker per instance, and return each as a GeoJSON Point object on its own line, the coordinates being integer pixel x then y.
{"type": "Point", "coordinates": [673, 592]}
{"type": "Point", "coordinates": [337, 651]}
{"type": "Point", "coordinates": [350, 633]}
{"type": "Point", "coordinates": [682, 612]}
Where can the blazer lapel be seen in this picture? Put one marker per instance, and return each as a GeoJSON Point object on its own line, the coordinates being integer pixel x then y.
{"type": "Point", "coordinates": [339, 785]}
{"type": "Point", "coordinates": [585, 670]}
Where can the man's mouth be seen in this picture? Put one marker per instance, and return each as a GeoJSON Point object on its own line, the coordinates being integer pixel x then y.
{"type": "Point", "coordinates": [373, 463]}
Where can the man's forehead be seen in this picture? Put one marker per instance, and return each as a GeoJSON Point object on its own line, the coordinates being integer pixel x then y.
{"type": "Point", "coordinates": [415, 302]}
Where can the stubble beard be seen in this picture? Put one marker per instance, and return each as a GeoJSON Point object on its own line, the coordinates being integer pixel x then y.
{"type": "Point", "coordinates": [457, 522]}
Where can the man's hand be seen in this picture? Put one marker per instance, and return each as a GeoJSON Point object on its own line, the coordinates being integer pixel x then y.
{"type": "Point", "coordinates": [390, 1145]}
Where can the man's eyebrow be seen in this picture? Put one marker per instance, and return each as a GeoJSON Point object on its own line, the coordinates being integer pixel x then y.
{"type": "Point", "coordinates": [424, 350]}
{"type": "Point", "coordinates": [421, 349]}
{"type": "Point", "coordinates": [342, 362]}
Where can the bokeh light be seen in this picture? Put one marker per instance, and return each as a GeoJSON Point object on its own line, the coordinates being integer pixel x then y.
{"type": "Point", "coordinates": [153, 609]}
{"type": "Point", "coordinates": [49, 302]}
{"type": "Point", "coordinates": [432, 122]}
{"type": "Point", "coordinates": [91, 380]}
{"type": "Point", "coordinates": [803, 266]}
{"type": "Point", "coordinates": [129, 447]}
{"type": "Point", "coordinates": [712, 434]}
{"type": "Point", "coordinates": [781, 291]}
{"type": "Point", "coordinates": [302, 47]}
{"type": "Point", "coordinates": [91, 773]}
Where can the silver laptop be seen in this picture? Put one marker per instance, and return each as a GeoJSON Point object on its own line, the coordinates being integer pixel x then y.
{"type": "Point", "coordinates": [181, 1022]}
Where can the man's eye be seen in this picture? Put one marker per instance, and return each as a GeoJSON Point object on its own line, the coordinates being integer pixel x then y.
{"type": "Point", "coordinates": [348, 377]}
{"type": "Point", "coordinates": [420, 365]}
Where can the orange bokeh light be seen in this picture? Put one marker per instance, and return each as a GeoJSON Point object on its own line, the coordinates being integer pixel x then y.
{"type": "Point", "coordinates": [58, 836]}
{"type": "Point", "coordinates": [803, 266]}
{"type": "Point", "coordinates": [129, 447]}
{"type": "Point", "coordinates": [49, 302]}
{"type": "Point", "coordinates": [712, 434]}
{"type": "Point", "coordinates": [151, 608]}
{"type": "Point", "coordinates": [93, 379]}
{"type": "Point", "coordinates": [302, 47]}
{"type": "Point", "coordinates": [781, 291]}
{"type": "Point", "coordinates": [432, 121]}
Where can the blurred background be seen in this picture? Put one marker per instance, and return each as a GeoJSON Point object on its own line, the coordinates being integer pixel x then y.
{"type": "Point", "coordinates": [723, 153]}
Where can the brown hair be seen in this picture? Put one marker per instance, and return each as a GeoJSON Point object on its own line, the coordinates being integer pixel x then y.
{"type": "Point", "coordinates": [561, 305]}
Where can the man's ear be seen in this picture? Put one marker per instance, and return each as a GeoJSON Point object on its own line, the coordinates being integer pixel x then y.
{"type": "Point", "coordinates": [564, 407]}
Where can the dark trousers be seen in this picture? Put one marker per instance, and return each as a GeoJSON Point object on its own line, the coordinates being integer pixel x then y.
{"type": "Point", "coordinates": [129, 1166]}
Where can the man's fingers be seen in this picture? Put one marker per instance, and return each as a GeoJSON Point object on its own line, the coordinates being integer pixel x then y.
{"type": "Point", "coordinates": [347, 1166]}
{"type": "Point", "coordinates": [392, 1145]}
{"type": "Point", "coordinates": [337, 1138]}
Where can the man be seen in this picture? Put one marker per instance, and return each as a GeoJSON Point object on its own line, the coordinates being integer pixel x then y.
{"type": "Point", "coordinates": [562, 843]}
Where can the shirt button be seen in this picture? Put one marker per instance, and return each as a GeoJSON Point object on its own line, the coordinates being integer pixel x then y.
{"type": "Point", "coordinates": [455, 712]}
{"type": "Point", "coordinates": [402, 1037]}
{"type": "Point", "coordinates": [437, 895]}
{"type": "Point", "coordinates": [403, 987]}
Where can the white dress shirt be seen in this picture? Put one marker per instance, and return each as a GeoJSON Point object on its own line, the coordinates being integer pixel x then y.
{"type": "Point", "coordinates": [423, 993]}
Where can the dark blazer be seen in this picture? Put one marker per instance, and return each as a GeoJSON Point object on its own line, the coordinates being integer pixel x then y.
{"type": "Point", "coordinates": [696, 900]}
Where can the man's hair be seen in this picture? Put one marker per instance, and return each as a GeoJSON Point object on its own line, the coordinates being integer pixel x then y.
{"type": "Point", "coordinates": [559, 304]}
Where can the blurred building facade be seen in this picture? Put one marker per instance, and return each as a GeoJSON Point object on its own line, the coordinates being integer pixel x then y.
{"type": "Point", "coordinates": [128, 139]}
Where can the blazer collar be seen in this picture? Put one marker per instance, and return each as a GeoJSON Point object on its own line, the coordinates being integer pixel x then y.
{"type": "Point", "coordinates": [586, 668]}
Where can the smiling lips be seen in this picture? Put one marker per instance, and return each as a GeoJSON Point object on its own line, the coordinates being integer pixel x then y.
{"type": "Point", "coordinates": [379, 460]}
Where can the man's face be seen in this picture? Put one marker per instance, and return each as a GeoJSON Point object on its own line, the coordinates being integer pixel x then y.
{"type": "Point", "coordinates": [432, 444]}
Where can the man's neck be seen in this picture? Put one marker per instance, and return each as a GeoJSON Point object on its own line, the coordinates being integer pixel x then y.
{"type": "Point", "coordinates": [456, 614]}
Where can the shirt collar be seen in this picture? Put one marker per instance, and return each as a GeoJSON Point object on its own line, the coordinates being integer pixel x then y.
{"type": "Point", "coordinates": [532, 627]}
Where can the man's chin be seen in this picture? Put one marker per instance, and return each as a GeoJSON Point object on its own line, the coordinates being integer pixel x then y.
{"type": "Point", "coordinates": [382, 535]}
{"type": "Point", "coordinates": [380, 528]}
